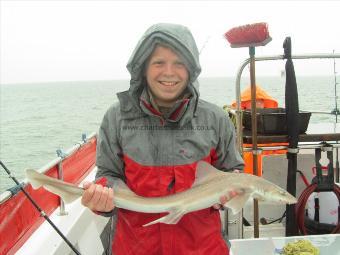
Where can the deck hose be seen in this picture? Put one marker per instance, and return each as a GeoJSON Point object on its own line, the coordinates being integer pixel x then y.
{"type": "Point", "coordinates": [301, 204]}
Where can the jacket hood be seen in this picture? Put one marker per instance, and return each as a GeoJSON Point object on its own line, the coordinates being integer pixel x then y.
{"type": "Point", "coordinates": [179, 38]}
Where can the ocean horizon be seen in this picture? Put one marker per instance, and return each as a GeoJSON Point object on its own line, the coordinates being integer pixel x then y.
{"type": "Point", "coordinates": [39, 118]}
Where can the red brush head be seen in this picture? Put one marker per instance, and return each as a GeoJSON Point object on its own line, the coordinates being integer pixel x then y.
{"type": "Point", "coordinates": [248, 35]}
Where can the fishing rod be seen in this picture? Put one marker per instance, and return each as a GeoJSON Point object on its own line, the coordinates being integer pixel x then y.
{"type": "Point", "coordinates": [42, 213]}
{"type": "Point", "coordinates": [204, 44]}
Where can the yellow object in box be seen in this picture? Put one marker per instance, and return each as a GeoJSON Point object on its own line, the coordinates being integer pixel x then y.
{"type": "Point", "coordinates": [301, 247]}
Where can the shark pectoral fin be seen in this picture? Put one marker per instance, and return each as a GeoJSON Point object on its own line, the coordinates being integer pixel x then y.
{"type": "Point", "coordinates": [172, 218]}
{"type": "Point", "coordinates": [237, 203]}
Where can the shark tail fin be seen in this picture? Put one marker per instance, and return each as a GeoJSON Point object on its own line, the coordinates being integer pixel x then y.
{"type": "Point", "coordinates": [172, 218]}
{"type": "Point", "coordinates": [68, 192]}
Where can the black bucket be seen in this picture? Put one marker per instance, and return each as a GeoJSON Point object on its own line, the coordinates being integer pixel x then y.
{"type": "Point", "coordinates": [272, 121]}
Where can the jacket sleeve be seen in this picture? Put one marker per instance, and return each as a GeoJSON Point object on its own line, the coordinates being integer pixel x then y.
{"type": "Point", "coordinates": [228, 157]}
{"type": "Point", "coordinates": [108, 156]}
{"type": "Point", "coordinates": [109, 153]}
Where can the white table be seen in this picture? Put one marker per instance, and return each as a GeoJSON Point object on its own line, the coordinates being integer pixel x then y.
{"type": "Point", "coordinates": [327, 244]}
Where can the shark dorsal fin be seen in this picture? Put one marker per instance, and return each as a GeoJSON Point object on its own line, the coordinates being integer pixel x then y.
{"type": "Point", "coordinates": [205, 171]}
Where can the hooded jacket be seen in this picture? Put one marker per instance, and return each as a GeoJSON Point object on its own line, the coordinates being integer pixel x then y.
{"type": "Point", "coordinates": [157, 155]}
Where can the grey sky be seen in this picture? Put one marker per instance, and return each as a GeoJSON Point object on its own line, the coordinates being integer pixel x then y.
{"type": "Point", "coordinates": [92, 40]}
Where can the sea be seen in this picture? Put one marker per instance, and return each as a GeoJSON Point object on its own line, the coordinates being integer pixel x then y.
{"type": "Point", "coordinates": [36, 119]}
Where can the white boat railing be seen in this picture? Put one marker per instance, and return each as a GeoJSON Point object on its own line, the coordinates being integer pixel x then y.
{"type": "Point", "coordinates": [4, 196]}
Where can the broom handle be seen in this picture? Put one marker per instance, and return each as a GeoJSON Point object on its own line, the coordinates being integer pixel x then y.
{"type": "Point", "coordinates": [254, 133]}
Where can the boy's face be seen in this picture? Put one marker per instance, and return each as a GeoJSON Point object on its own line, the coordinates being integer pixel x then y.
{"type": "Point", "coordinates": [166, 75]}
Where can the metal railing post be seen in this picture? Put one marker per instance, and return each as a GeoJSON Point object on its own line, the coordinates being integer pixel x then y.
{"type": "Point", "coordinates": [62, 155]}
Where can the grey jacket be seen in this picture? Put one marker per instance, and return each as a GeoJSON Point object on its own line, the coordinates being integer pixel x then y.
{"type": "Point", "coordinates": [129, 128]}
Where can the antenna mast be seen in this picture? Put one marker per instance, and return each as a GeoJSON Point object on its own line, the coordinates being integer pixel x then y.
{"type": "Point", "coordinates": [336, 112]}
{"type": "Point", "coordinates": [204, 44]}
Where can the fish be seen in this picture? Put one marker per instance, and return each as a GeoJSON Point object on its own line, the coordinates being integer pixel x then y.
{"type": "Point", "coordinates": [209, 185]}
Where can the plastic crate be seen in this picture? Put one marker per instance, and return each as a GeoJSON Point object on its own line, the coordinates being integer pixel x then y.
{"type": "Point", "coordinates": [273, 120]}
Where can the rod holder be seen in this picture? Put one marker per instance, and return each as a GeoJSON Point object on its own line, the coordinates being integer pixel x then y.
{"type": "Point", "coordinates": [62, 155]}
